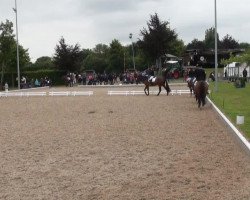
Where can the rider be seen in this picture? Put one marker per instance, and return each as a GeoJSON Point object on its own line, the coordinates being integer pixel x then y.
{"type": "Point", "coordinates": [151, 74]}
{"type": "Point", "coordinates": [191, 75]}
{"type": "Point", "coordinates": [200, 74]}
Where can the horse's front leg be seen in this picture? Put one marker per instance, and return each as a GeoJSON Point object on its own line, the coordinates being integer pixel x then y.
{"type": "Point", "coordinates": [159, 91]}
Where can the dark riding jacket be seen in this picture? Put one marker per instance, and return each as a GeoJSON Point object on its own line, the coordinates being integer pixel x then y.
{"type": "Point", "coordinates": [191, 74]}
{"type": "Point", "coordinates": [151, 72]}
{"type": "Point", "coordinates": [200, 74]}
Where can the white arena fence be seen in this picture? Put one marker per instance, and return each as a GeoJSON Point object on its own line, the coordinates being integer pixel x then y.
{"type": "Point", "coordinates": [141, 92]}
{"type": "Point", "coordinates": [74, 93]}
{"type": "Point", "coordinates": [53, 93]}
{"type": "Point", "coordinates": [87, 93]}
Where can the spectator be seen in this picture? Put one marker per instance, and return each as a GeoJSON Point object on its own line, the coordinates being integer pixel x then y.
{"type": "Point", "coordinates": [225, 74]}
{"type": "Point", "coordinates": [23, 82]}
{"type": "Point", "coordinates": [245, 73]}
{"type": "Point", "coordinates": [37, 83]}
{"type": "Point", "coordinates": [6, 87]}
{"type": "Point", "coordinates": [212, 76]}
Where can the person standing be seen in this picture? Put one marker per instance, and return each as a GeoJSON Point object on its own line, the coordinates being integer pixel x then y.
{"type": "Point", "coordinates": [6, 87]}
{"type": "Point", "coordinates": [23, 82]}
{"type": "Point", "coordinates": [245, 74]}
{"type": "Point", "coordinates": [225, 74]}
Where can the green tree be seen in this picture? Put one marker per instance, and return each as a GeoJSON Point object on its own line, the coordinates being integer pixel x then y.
{"type": "Point", "coordinates": [97, 58]}
{"type": "Point", "coordinates": [157, 40]}
{"type": "Point", "coordinates": [8, 51]}
{"type": "Point", "coordinates": [196, 44]}
{"type": "Point", "coordinates": [44, 62]}
{"type": "Point", "coordinates": [128, 56]}
{"type": "Point", "coordinates": [101, 49]}
{"type": "Point", "coordinates": [177, 47]}
{"type": "Point", "coordinates": [7, 44]}
{"type": "Point", "coordinates": [244, 45]}
{"type": "Point", "coordinates": [68, 57]}
{"type": "Point", "coordinates": [115, 57]}
{"type": "Point", "coordinates": [141, 60]}
{"type": "Point", "coordinates": [228, 42]}
{"type": "Point", "coordinates": [245, 57]}
{"type": "Point", "coordinates": [95, 62]}
{"type": "Point", "coordinates": [210, 39]}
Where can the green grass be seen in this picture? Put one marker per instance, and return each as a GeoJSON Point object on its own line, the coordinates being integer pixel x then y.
{"type": "Point", "coordinates": [233, 101]}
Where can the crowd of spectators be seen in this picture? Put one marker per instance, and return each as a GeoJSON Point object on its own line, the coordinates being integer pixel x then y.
{"type": "Point", "coordinates": [25, 82]}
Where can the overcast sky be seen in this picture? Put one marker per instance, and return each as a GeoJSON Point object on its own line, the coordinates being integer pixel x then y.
{"type": "Point", "coordinates": [41, 23]}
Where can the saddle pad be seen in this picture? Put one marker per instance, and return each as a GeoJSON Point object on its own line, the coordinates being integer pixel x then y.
{"type": "Point", "coordinates": [152, 79]}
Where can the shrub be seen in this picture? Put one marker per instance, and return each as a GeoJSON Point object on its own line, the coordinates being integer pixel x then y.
{"type": "Point", "coordinates": [240, 83]}
{"type": "Point", "coordinates": [54, 75]}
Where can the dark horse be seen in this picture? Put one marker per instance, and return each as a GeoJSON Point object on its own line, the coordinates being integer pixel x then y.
{"type": "Point", "coordinates": [201, 91]}
{"type": "Point", "coordinates": [159, 81]}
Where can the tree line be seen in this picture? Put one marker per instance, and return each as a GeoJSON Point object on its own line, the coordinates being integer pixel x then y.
{"type": "Point", "coordinates": [157, 39]}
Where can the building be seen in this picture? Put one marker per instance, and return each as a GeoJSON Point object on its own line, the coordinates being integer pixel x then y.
{"type": "Point", "coordinates": [206, 58]}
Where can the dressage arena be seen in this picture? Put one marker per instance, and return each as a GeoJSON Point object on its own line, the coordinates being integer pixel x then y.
{"type": "Point", "coordinates": [104, 146]}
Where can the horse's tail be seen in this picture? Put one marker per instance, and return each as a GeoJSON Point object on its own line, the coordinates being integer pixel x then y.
{"type": "Point", "coordinates": [203, 92]}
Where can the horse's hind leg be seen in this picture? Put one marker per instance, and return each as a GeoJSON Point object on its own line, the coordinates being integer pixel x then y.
{"type": "Point", "coordinates": [146, 90]}
{"type": "Point", "coordinates": [203, 101]}
{"type": "Point", "coordinates": [199, 102]}
{"type": "Point", "coordinates": [191, 89]}
{"type": "Point", "coordinates": [159, 91]}
{"type": "Point", "coordinates": [167, 89]}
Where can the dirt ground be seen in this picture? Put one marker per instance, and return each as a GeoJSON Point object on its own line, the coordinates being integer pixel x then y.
{"type": "Point", "coordinates": [118, 147]}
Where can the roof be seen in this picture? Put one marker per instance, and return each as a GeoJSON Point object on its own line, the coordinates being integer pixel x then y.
{"type": "Point", "coordinates": [212, 51]}
{"type": "Point", "coordinates": [170, 56]}
{"type": "Point", "coordinates": [191, 67]}
{"type": "Point", "coordinates": [172, 61]}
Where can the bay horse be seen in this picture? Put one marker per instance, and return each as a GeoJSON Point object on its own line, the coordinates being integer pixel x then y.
{"type": "Point", "coordinates": [201, 91]}
{"type": "Point", "coordinates": [160, 81]}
